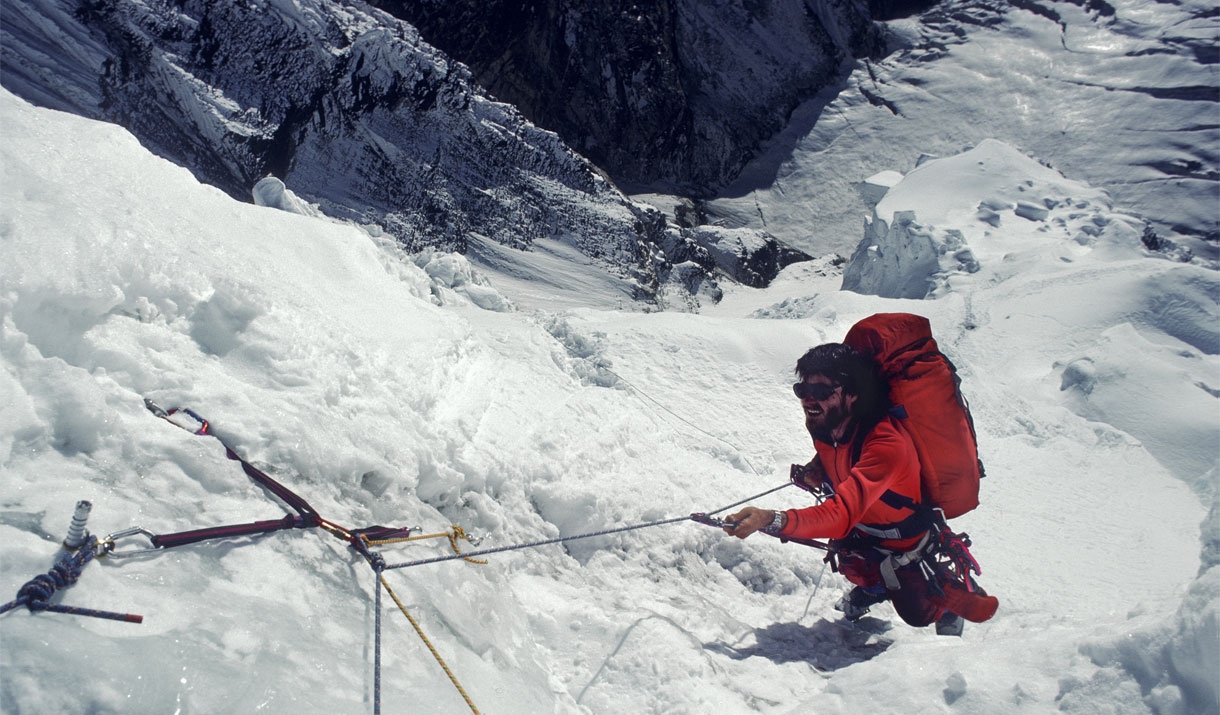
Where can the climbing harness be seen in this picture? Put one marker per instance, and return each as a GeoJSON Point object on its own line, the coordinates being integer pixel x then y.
{"type": "Point", "coordinates": [941, 555]}
{"type": "Point", "coordinates": [894, 560]}
{"type": "Point", "coordinates": [83, 547]}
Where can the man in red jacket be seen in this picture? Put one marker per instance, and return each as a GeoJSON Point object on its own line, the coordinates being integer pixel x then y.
{"type": "Point", "coordinates": [881, 533]}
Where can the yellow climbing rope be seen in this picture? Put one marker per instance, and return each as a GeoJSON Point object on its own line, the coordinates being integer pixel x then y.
{"type": "Point", "coordinates": [455, 532]}
{"type": "Point", "coordinates": [415, 624]}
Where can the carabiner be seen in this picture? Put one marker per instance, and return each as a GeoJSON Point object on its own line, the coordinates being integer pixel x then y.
{"type": "Point", "coordinates": [712, 521]}
{"type": "Point", "coordinates": [106, 546]}
{"type": "Point", "coordinates": [460, 533]}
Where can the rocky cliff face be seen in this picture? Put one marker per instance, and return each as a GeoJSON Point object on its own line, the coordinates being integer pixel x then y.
{"type": "Point", "coordinates": [673, 96]}
{"type": "Point", "coordinates": [346, 105]}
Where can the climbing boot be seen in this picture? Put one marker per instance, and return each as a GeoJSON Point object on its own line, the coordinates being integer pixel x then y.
{"type": "Point", "coordinates": [856, 602]}
{"type": "Point", "coordinates": [950, 624]}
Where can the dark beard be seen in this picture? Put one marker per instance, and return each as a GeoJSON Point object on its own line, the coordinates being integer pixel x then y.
{"type": "Point", "coordinates": [831, 420]}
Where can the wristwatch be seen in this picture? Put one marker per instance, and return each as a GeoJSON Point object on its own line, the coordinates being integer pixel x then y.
{"type": "Point", "coordinates": [777, 522]}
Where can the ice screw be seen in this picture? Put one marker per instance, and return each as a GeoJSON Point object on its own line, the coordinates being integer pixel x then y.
{"type": "Point", "coordinates": [77, 534]}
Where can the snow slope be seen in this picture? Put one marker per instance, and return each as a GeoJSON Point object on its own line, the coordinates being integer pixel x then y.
{"type": "Point", "coordinates": [1121, 94]}
{"type": "Point", "coordinates": [372, 384]}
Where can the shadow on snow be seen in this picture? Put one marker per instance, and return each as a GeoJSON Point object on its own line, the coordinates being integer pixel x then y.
{"type": "Point", "coordinates": [826, 645]}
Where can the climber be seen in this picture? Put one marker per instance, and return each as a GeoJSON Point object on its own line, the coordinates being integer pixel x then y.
{"type": "Point", "coordinates": [884, 538]}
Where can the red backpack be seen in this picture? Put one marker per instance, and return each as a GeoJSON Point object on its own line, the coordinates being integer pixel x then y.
{"type": "Point", "coordinates": [925, 391]}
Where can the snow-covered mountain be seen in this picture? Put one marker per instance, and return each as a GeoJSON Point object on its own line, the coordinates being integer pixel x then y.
{"type": "Point", "coordinates": [1120, 93]}
{"type": "Point", "coordinates": [670, 96]}
{"type": "Point", "coordinates": [402, 390]}
{"type": "Point", "coordinates": [344, 104]}
{"type": "Point", "coordinates": [360, 117]}
{"type": "Point", "coordinates": [524, 396]}
{"type": "Point", "coordinates": [354, 113]}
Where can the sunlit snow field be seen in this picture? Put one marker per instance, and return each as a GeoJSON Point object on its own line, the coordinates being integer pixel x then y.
{"type": "Point", "coordinates": [1110, 93]}
{"type": "Point", "coordinates": [419, 390]}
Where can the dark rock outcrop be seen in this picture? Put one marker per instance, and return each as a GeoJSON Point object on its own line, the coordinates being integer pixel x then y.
{"type": "Point", "coordinates": [747, 256]}
{"type": "Point", "coordinates": [343, 103]}
{"type": "Point", "coordinates": [674, 95]}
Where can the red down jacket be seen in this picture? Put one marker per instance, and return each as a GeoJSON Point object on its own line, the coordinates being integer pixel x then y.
{"type": "Point", "coordinates": [888, 462]}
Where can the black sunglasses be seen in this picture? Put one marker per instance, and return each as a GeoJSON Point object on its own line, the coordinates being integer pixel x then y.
{"type": "Point", "coordinates": [817, 390]}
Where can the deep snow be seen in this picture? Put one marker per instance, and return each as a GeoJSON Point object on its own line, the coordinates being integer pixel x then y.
{"type": "Point", "coordinates": [374, 385]}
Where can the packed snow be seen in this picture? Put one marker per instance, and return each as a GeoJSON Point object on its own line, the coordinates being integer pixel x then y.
{"type": "Point", "coordinates": [403, 390]}
{"type": "Point", "coordinates": [1121, 94]}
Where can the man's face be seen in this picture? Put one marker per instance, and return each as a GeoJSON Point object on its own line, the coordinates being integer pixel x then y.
{"type": "Point", "coordinates": [826, 405]}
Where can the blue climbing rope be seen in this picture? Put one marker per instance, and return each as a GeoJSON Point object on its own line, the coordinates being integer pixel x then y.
{"type": "Point", "coordinates": [36, 594]}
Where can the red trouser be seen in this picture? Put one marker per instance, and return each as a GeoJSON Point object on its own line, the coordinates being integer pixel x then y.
{"type": "Point", "coordinates": [915, 601]}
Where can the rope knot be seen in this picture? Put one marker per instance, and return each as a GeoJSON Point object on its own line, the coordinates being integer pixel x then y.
{"type": "Point", "coordinates": [38, 590]}
{"type": "Point", "coordinates": [460, 533]}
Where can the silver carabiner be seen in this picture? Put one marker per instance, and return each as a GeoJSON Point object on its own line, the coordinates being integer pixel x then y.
{"type": "Point", "coordinates": [106, 546]}
{"type": "Point", "coordinates": [710, 520]}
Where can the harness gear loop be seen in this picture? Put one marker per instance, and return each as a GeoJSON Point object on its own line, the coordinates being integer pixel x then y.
{"type": "Point", "coordinates": [953, 560]}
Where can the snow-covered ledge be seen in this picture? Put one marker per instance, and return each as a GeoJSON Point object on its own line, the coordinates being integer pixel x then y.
{"type": "Point", "coordinates": [949, 216]}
